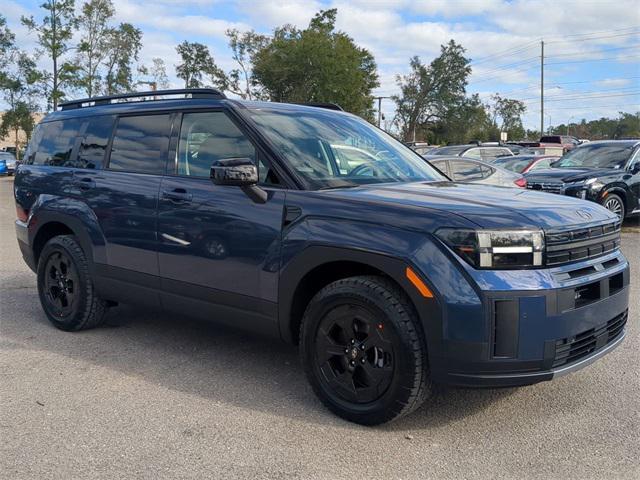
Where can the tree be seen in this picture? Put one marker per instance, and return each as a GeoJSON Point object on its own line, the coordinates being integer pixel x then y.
{"type": "Point", "coordinates": [19, 118]}
{"type": "Point", "coordinates": [19, 86]}
{"type": "Point", "coordinates": [54, 34]}
{"type": "Point", "coordinates": [124, 44]}
{"type": "Point", "coordinates": [197, 63]}
{"type": "Point", "coordinates": [7, 43]}
{"type": "Point", "coordinates": [463, 123]}
{"type": "Point", "coordinates": [428, 93]}
{"type": "Point", "coordinates": [94, 43]}
{"type": "Point", "coordinates": [317, 64]}
{"type": "Point", "coordinates": [244, 47]}
{"type": "Point", "coordinates": [507, 115]}
{"type": "Point", "coordinates": [158, 72]}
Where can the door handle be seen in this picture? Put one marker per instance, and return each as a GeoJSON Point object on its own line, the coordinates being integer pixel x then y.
{"type": "Point", "coordinates": [177, 195]}
{"type": "Point", "coordinates": [85, 183]}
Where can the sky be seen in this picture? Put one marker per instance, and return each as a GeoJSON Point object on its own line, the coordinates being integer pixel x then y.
{"type": "Point", "coordinates": [592, 48]}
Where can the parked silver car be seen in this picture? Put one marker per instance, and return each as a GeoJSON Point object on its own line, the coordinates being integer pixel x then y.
{"type": "Point", "coordinates": [470, 170]}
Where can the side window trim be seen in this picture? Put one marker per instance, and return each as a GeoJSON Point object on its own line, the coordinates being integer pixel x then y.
{"type": "Point", "coordinates": [171, 167]}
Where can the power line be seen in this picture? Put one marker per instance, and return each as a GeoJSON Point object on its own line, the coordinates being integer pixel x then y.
{"type": "Point", "coordinates": [508, 66]}
{"type": "Point", "coordinates": [623, 32]}
{"type": "Point", "coordinates": [588, 97]}
{"type": "Point", "coordinates": [633, 57]}
{"type": "Point", "coordinates": [593, 51]}
{"type": "Point", "coordinates": [587, 94]}
{"type": "Point", "coordinates": [596, 107]}
{"type": "Point", "coordinates": [508, 52]}
{"type": "Point", "coordinates": [592, 33]}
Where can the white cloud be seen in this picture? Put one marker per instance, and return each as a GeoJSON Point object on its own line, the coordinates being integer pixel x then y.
{"type": "Point", "coordinates": [613, 82]}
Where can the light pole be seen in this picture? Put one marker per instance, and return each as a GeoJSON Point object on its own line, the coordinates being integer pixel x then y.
{"type": "Point", "coordinates": [549, 127]}
{"type": "Point", "coordinates": [569, 122]}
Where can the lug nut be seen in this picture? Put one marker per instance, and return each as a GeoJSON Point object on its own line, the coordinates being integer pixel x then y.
{"type": "Point", "coordinates": [352, 341]}
{"type": "Point", "coordinates": [362, 346]}
{"type": "Point", "coordinates": [346, 350]}
{"type": "Point", "coordinates": [362, 360]}
{"type": "Point", "coordinates": [352, 363]}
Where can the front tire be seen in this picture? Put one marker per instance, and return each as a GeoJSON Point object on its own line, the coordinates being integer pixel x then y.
{"type": "Point", "coordinates": [363, 350]}
{"type": "Point", "coordinates": [65, 287]}
{"type": "Point", "coordinates": [614, 204]}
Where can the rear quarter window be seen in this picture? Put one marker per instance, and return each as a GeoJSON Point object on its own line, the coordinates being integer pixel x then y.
{"type": "Point", "coordinates": [53, 143]}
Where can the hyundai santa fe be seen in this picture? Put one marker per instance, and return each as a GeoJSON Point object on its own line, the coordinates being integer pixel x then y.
{"type": "Point", "coordinates": [311, 226]}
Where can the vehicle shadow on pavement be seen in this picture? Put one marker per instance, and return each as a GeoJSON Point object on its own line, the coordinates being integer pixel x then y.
{"type": "Point", "coordinates": [204, 359]}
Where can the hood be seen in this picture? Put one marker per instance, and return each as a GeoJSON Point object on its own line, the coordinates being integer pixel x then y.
{"type": "Point", "coordinates": [569, 174]}
{"type": "Point", "coordinates": [486, 206]}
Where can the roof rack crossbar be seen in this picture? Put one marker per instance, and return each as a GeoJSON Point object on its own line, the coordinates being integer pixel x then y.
{"type": "Point", "coordinates": [194, 92]}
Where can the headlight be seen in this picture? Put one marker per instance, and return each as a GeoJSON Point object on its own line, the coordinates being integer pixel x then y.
{"type": "Point", "coordinates": [496, 249]}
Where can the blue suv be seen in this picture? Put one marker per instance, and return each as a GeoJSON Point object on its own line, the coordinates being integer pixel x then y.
{"type": "Point", "coordinates": [307, 224]}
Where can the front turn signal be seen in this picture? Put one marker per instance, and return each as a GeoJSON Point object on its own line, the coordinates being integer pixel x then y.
{"type": "Point", "coordinates": [418, 283]}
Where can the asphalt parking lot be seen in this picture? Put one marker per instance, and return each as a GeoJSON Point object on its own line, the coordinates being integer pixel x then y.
{"type": "Point", "coordinates": [157, 396]}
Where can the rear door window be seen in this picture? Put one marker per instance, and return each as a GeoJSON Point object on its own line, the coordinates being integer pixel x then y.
{"type": "Point", "coordinates": [140, 144]}
{"type": "Point", "coordinates": [94, 142]}
{"type": "Point", "coordinates": [54, 143]}
{"type": "Point", "coordinates": [463, 171]}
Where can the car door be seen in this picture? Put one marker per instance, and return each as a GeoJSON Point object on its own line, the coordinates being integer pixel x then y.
{"type": "Point", "coordinates": [634, 181]}
{"type": "Point", "coordinates": [124, 195]}
{"type": "Point", "coordinates": [219, 249]}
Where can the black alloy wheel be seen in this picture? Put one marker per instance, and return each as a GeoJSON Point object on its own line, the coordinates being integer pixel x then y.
{"type": "Point", "coordinates": [364, 351]}
{"type": "Point", "coordinates": [354, 355]}
{"type": "Point", "coordinates": [66, 288]}
{"type": "Point", "coordinates": [61, 285]}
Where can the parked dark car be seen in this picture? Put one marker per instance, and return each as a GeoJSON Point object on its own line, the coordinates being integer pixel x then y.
{"type": "Point", "coordinates": [475, 171]}
{"type": "Point", "coordinates": [525, 163]}
{"type": "Point", "coordinates": [606, 172]}
{"type": "Point", "coordinates": [389, 276]}
{"type": "Point", "coordinates": [486, 153]}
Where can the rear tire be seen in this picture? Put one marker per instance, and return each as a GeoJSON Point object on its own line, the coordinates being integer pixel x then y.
{"type": "Point", "coordinates": [65, 287]}
{"type": "Point", "coordinates": [363, 350]}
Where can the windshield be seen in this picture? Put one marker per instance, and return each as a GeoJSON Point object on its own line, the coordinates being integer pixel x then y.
{"type": "Point", "coordinates": [333, 150]}
{"type": "Point", "coordinates": [513, 164]}
{"type": "Point", "coordinates": [596, 156]}
{"type": "Point", "coordinates": [454, 150]}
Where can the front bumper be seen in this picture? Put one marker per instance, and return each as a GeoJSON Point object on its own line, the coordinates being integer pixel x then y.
{"type": "Point", "coordinates": [511, 328]}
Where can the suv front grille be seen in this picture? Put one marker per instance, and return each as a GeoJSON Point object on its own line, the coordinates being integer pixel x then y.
{"type": "Point", "coordinates": [578, 244]}
{"type": "Point", "coordinates": [551, 187]}
{"type": "Point", "coordinates": [569, 350]}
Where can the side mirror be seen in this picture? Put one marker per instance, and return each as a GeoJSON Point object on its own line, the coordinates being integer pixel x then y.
{"type": "Point", "coordinates": [635, 168]}
{"type": "Point", "coordinates": [240, 172]}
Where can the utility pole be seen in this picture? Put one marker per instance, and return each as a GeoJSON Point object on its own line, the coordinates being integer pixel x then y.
{"type": "Point", "coordinates": [541, 87]}
{"type": "Point", "coordinates": [379, 109]}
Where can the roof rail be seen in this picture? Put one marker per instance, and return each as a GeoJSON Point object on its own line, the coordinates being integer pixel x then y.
{"type": "Point", "coordinates": [328, 106]}
{"type": "Point", "coordinates": [106, 100]}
